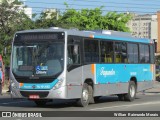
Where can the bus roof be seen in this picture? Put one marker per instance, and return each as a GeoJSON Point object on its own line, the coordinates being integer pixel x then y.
{"type": "Point", "coordinates": [99, 34]}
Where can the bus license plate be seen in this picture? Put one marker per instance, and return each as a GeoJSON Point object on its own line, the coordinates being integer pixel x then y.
{"type": "Point", "coordinates": [34, 96]}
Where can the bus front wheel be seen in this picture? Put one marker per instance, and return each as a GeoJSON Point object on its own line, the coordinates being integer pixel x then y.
{"type": "Point", "coordinates": [85, 96]}
{"type": "Point", "coordinates": [130, 96]}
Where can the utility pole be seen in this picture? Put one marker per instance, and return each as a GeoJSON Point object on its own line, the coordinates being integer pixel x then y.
{"type": "Point", "coordinates": [57, 14]}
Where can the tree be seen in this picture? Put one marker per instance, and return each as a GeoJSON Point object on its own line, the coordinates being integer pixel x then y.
{"type": "Point", "coordinates": [12, 19]}
{"type": "Point", "coordinates": [117, 21]}
{"type": "Point", "coordinates": [44, 21]}
{"type": "Point", "coordinates": [91, 19]}
{"type": "Point", "coordinates": [85, 19]}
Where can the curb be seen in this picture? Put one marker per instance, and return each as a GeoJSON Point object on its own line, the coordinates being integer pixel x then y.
{"type": "Point", "coordinates": [149, 93]}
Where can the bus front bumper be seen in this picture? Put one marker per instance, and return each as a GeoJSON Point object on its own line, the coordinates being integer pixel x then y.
{"type": "Point", "coordinates": [40, 94]}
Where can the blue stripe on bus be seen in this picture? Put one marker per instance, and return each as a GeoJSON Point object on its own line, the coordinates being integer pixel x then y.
{"type": "Point", "coordinates": [38, 86]}
{"type": "Point", "coordinates": [124, 39]}
{"type": "Point", "coordinates": [116, 73]}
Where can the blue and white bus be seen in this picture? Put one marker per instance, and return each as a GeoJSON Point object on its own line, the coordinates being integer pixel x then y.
{"type": "Point", "coordinates": [57, 63]}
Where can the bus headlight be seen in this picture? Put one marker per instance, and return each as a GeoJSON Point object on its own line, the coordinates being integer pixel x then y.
{"type": "Point", "coordinates": [13, 85]}
{"type": "Point", "coordinates": [58, 84]}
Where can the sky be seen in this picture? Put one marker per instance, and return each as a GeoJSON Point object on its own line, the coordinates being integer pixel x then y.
{"type": "Point", "coordinates": [136, 6]}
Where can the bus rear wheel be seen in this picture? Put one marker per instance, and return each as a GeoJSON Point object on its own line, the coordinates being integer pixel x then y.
{"type": "Point", "coordinates": [85, 96]}
{"type": "Point", "coordinates": [130, 96]}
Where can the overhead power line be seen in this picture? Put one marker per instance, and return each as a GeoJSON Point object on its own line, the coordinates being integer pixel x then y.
{"type": "Point", "coordinates": [126, 3]}
{"type": "Point", "coordinates": [133, 11]}
{"type": "Point", "coordinates": [99, 2]}
{"type": "Point", "coordinates": [147, 0]}
{"type": "Point", "coordinates": [96, 5]}
{"type": "Point", "coordinates": [139, 8]}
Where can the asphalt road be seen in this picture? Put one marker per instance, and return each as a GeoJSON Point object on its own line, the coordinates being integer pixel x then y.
{"type": "Point", "coordinates": [109, 103]}
{"type": "Point", "coordinates": [148, 101]}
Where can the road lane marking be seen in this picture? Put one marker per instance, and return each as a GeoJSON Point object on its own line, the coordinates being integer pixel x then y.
{"type": "Point", "coordinates": [12, 102]}
{"type": "Point", "coordinates": [147, 103]}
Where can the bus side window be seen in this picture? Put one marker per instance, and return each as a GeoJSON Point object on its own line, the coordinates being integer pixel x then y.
{"type": "Point", "coordinates": [144, 56]}
{"type": "Point", "coordinates": [132, 53]}
{"type": "Point", "coordinates": [106, 52]}
{"type": "Point", "coordinates": [120, 52]}
{"type": "Point", "coordinates": [73, 54]}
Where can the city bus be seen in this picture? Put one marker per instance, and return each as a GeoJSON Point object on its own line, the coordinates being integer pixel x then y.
{"type": "Point", "coordinates": [58, 63]}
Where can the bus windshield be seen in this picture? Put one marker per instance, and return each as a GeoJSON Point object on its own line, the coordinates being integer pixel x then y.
{"type": "Point", "coordinates": [42, 58]}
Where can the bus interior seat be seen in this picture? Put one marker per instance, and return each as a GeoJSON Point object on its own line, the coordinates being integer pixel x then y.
{"type": "Point", "coordinates": [108, 58]}
{"type": "Point", "coordinates": [118, 58]}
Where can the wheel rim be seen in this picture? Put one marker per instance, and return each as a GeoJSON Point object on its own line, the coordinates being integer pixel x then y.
{"type": "Point", "coordinates": [132, 91]}
{"type": "Point", "coordinates": [85, 95]}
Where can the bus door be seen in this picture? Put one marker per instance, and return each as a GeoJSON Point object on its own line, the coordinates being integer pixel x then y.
{"type": "Point", "coordinates": [74, 67]}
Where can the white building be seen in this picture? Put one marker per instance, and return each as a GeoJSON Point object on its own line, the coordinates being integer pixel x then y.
{"type": "Point", "coordinates": [144, 26]}
{"type": "Point", "coordinates": [27, 10]}
{"type": "Point", "coordinates": [52, 12]}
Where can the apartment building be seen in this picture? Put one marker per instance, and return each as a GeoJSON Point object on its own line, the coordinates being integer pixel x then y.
{"type": "Point", "coordinates": [51, 13]}
{"type": "Point", "coordinates": [146, 26]}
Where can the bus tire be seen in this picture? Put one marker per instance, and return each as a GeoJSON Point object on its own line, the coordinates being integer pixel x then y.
{"type": "Point", "coordinates": [130, 96]}
{"type": "Point", "coordinates": [85, 97]}
{"type": "Point", "coordinates": [40, 102]}
{"type": "Point", "coordinates": [91, 100]}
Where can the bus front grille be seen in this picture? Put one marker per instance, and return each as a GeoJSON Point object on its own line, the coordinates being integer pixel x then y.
{"type": "Point", "coordinates": [41, 80]}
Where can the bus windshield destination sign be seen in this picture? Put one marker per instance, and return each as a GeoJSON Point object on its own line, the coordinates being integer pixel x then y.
{"type": "Point", "coordinates": [40, 36]}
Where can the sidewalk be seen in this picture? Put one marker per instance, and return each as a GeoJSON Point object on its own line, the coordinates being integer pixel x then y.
{"type": "Point", "coordinates": [5, 89]}
{"type": "Point", "coordinates": [154, 90]}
